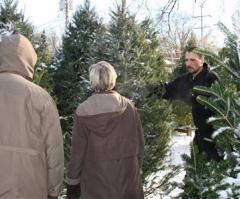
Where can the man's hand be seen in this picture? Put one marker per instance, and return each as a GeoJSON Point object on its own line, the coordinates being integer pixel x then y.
{"type": "Point", "coordinates": [73, 191]}
{"type": "Point", "coordinates": [155, 90]}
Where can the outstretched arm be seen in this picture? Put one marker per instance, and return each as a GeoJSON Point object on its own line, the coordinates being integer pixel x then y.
{"type": "Point", "coordinates": [168, 90]}
{"type": "Point", "coordinates": [155, 90]}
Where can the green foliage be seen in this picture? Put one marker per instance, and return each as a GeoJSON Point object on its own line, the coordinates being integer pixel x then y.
{"type": "Point", "coordinates": [10, 14]}
{"type": "Point", "coordinates": [165, 185]}
{"type": "Point", "coordinates": [182, 114]}
{"type": "Point", "coordinates": [203, 177]}
{"type": "Point", "coordinates": [132, 48]}
{"type": "Point", "coordinates": [133, 51]}
{"type": "Point", "coordinates": [156, 130]}
{"type": "Point", "coordinates": [43, 75]}
{"type": "Point", "coordinates": [81, 48]}
{"type": "Point", "coordinates": [223, 99]}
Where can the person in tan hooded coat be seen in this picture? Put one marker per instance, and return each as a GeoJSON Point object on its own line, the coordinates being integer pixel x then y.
{"type": "Point", "coordinates": [31, 144]}
{"type": "Point", "coordinates": [107, 143]}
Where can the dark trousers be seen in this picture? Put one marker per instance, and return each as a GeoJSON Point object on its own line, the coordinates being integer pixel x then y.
{"type": "Point", "coordinates": [206, 146]}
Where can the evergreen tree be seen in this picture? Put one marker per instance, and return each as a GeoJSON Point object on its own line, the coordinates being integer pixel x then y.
{"type": "Point", "coordinates": [133, 51]}
{"type": "Point", "coordinates": [43, 75]}
{"type": "Point", "coordinates": [219, 179]}
{"type": "Point", "coordinates": [81, 48]}
{"type": "Point", "coordinates": [10, 15]}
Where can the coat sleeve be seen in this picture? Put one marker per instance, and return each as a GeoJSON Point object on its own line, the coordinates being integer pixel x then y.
{"type": "Point", "coordinates": [54, 149]}
{"type": "Point", "coordinates": [171, 92]}
{"type": "Point", "coordinates": [78, 152]}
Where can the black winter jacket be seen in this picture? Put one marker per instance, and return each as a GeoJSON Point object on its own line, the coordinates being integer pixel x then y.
{"type": "Point", "coordinates": [182, 89]}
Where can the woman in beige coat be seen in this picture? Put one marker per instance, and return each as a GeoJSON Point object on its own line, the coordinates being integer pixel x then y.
{"type": "Point", "coordinates": [31, 145]}
{"type": "Point", "coordinates": [107, 143]}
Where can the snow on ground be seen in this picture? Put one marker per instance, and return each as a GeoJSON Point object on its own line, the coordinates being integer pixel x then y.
{"type": "Point", "coordinates": [180, 144]}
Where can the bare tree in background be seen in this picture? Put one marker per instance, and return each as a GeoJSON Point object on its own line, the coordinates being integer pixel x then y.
{"type": "Point", "coordinates": [173, 41]}
{"type": "Point", "coordinates": [167, 9]}
{"type": "Point", "coordinates": [53, 42]}
{"type": "Point", "coordinates": [171, 6]}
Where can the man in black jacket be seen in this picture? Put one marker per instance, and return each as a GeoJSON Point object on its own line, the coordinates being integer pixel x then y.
{"type": "Point", "coordinates": [182, 89]}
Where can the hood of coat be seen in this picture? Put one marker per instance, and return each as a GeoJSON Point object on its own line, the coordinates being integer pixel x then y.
{"type": "Point", "coordinates": [101, 112]}
{"type": "Point", "coordinates": [17, 55]}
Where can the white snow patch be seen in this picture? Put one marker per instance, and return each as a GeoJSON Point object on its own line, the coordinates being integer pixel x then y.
{"type": "Point", "coordinates": [211, 119]}
{"type": "Point", "coordinates": [220, 130]}
{"type": "Point", "coordinates": [225, 194]}
{"type": "Point", "coordinates": [5, 30]}
{"type": "Point", "coordinates": [180, 144]}
{"type": "Point", "coordinates": [148, 41]}
{"type": "Point", "coordinates": [232, 181]}
{"type": "Point", "coordinates": [237, 130]}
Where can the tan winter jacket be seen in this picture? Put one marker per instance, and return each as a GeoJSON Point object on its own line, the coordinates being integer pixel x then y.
{"type": "Point", "coordinates": [107, 148]}
{"type": "Point", "coordinates": [31, 144]}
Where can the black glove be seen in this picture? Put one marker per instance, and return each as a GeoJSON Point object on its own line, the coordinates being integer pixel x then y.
{"type": "Point", "coordinates": [73, 191]}
{"type": "Point", "coordinates": [155, 90]}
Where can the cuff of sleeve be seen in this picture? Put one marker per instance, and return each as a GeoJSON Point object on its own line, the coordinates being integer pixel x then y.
{"type": "Point", "coordinates": [71, 181]}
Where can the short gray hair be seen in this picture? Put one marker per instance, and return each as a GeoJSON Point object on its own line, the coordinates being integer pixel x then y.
{"type": "Point", "coordinates": [102, 76]}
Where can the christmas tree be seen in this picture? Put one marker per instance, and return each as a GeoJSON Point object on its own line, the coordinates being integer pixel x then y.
{"type": "Point", "coordinates": [81, 48]}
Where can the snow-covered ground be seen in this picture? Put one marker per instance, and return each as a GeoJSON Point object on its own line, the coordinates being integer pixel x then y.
{"type": "Point", "coordinates": [180, 144]}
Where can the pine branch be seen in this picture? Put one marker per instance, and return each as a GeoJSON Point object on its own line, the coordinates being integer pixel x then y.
{"type": "Point", "coordinates": [205, 91]}
{"type": "Point", "coordinates": [213, 107]}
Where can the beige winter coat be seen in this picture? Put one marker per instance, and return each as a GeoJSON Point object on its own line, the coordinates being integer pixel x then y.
{"type": "Point", "coordinates": [31, 145]}
{"type": "Point", "coordinates": [107, 148]}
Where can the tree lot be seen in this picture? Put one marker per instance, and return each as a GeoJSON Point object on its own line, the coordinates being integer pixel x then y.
{"type": "Point", "coordinates": [134, 49]}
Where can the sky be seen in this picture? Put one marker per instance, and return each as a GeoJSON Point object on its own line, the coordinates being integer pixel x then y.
{"type": "Point", "coordinates": [45, 14]}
